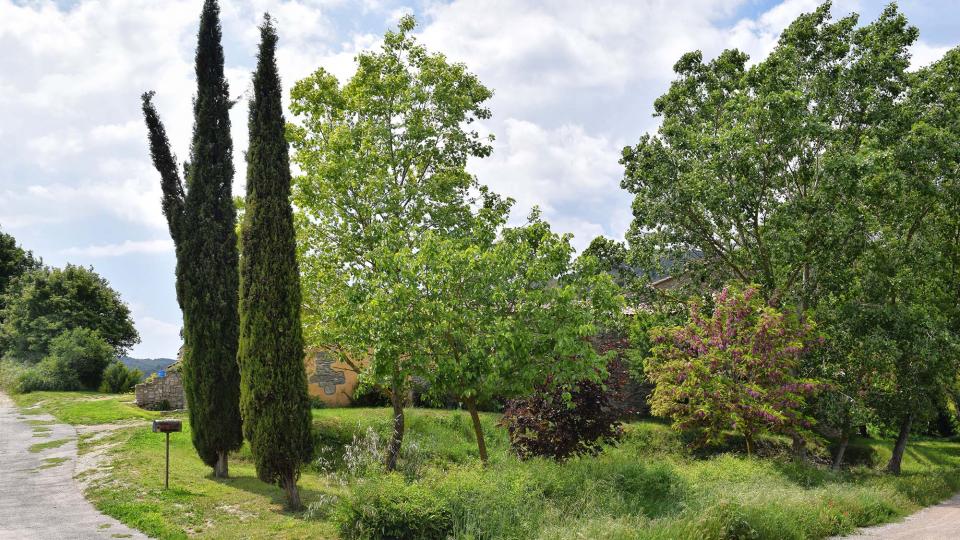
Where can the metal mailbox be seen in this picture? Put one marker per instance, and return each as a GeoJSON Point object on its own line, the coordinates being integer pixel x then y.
{"type": "Point", "coordinates": [167, 426]}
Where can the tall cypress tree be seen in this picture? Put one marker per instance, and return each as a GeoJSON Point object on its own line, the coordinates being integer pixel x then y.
{"type": "Point", "coordinates": [201, 218]}
{"type": "Point", "coordinates": [273, 395]}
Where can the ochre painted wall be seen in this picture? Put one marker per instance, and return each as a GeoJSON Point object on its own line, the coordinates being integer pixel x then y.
{"type": "Point", "coordinates": [329, 379]}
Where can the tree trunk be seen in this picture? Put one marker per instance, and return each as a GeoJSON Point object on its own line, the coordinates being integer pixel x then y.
{"type": "Point", "coordinates": [799, 448]}
{"type": "Point", "coordinates": [894, 465]}
{"type": "Point", "coordinates": [863, 431]}
{"type": "Point", "coordinates": [749, 441]}
{"type": "Point", "coordinates": [396, 438]}
{"type": "Point", "coordinates": [221, 469]}
{"type": "Point", "coordinates": [477, 428]}
{"type": "Point", "coordinates": [289, 484]}
{"type": "Point", "coordinates": [844, 440]}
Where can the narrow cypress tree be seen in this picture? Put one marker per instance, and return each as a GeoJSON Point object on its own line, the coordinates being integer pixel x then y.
{"type": "Point", "coordinates": [273, 389]}
{"type": "Point", "coordinates": [201, 218]}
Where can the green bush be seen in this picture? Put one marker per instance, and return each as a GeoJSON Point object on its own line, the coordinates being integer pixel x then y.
{"type": "Point", "coordinates": [52, 373]}
{"type": "Point", "coordinates": [118, 378]}
{"type": "Point", "coordinates": [386, 507]}
{"type": "Point", "coordinates": [10, 372]}
{"type": "Point", "coordinates": [85, 353]}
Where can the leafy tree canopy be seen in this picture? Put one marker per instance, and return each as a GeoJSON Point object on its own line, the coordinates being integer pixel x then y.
{"type": "Point", "coordinates": [383, 159]}
{"type": "Point", "coordinates": [49, 302]}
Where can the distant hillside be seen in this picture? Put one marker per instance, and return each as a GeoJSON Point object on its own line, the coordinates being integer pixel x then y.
{"type": "Point", "coordinates": [146, 365]}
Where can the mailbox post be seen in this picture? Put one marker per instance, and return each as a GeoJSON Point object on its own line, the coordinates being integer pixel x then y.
{"type": "Point", "coordinates": [167, 427]}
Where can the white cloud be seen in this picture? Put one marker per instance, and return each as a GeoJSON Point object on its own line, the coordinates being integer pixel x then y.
{"type": "Point", "coordinates": [127, 247]}
{"type": "Point", "coordinates": [562, 170]}
{"type": "Point", "coordinates": [574, 82]}
{"type": "Point", "coordinates": [923, 54]}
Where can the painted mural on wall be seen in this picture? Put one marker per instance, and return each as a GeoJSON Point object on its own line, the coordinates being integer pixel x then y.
{"type": "Point", "coordinates": [329, 379]}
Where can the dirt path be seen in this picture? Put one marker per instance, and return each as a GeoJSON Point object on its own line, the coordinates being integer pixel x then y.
{"type": "Point", "coordinates": [39, 498]}
{"type": "Point", "coordinates": [933, 523]}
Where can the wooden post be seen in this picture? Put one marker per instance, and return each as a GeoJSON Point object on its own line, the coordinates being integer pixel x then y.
{"type": "Point", "coordinates": [166, 477]}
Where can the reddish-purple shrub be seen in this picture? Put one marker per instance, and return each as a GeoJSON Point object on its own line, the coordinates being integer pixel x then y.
{"type": "Point", "coordinates": [549, 424]}
{"type": "Point", "coordinates": [734, 371]}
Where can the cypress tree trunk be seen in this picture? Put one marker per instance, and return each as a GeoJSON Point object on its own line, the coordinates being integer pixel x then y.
{"type": "Point", "coordinates": [396, 438]}
{"type": "Point", "coordinates": [477, 428]}
{"type": "Point", "coordinates": [274, 401]}
{"type": "Point", "coordinates": [289, 485]}
{"type": "Point", "coordinates": [202, 218]}
{"type": "Point", "coordinates": [893, 466]}
{"type": "Point", "coordinates": [221, 468]}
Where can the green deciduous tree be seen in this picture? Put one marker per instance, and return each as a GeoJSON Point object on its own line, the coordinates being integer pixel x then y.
{"type": "Point", "coordinates": [118, 378]}
{"type": "Point", "coordinates": [383, 159]}
{"type": "Point", "coordinates": [758, 169]}
{"type": "Point", "coordinates": [820, 173]}
{"type": "Point", "coordinates": [201, 218]}
{"type": "Point", "coordinates": [505, 311]}
{"type": "Point", "coordinates": [273, 389]}
{"type": "Point", "coordinates": [85, 353]}
{"type": "Point", "coordinates": [14, 262]}
{"type": "Point", "coordinates": [48, 302]}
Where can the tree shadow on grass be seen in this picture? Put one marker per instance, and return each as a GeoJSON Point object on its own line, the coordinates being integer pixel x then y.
{"type": "Point", "coordinates": [934, 457]}
{"type": "Point", "coordinates": [276, 495]}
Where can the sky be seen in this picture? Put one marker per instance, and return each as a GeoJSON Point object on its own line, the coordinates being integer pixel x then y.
{"type": "Point", "coordinates": [574, 82]}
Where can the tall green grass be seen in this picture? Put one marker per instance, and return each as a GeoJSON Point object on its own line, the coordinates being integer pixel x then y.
{"type": "Point", "coordinates": [650, 486]}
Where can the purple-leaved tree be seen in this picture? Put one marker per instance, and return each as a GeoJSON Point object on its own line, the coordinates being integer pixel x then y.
{"type": "Point", "coordinates": [733, 371]}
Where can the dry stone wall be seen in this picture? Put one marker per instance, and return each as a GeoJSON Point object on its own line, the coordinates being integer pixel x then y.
{"type": "Point", "coordinates": [162, 393]}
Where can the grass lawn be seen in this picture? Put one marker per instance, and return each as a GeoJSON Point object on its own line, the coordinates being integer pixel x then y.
{"type": "Point", "coordinates": [649, 486]}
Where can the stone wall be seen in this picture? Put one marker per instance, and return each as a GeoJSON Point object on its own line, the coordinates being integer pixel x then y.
{"type": "Point", "coordinates": [152, 393]}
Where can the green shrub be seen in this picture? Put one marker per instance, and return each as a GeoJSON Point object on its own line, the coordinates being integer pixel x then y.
{"type": "Point", "coordinates": [10, 372]}
{"type": "Point", "coordinates": [118, 378]}
{"type": "Point", "coordinates": [85, 353]}
{"type": "Point", "coordinates": [485, 503]}
{"type": "Point", "coordinates": [386, 507]}
{"type": "Point", "coordinates": [52, 373]}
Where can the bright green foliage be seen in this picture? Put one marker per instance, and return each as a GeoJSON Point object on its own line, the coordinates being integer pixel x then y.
{"type": "Point", "coordinates": [506, 311]}
{"type": "Point", "coordinates": [383, 159]}
{"type": "Point", "coordinates": [118, 378]}
{"type": "Point", "coordinates": [201, 217]}
{"type": "Point", "coordinates": [48, 302]}
{"type": "Point", "coordinates": [273, 389]}
{"type": "Point", "coordinates": [85, 353]}
{"type": "Point", "coordinates": [391, 508]}
{"type": "Point", "coordinates": [732, 371]}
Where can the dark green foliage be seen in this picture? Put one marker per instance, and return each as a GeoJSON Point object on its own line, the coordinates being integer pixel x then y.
{"type": "Point", "coordinates": [857, 453]}
{"type": "Point", "coordinates": [201, 217]}
{"type": "Point", "coordinates": [118, 378]}
{"type": "Point", "coordinates": [48, 302]}
{"type": "Point", "coordinates": [273, 397]}
{"type": "Point", "coordinates": [76, 361]}
{"type": "Point", "coordinates": [85, 353]}
{"type": "Point", "coordinates": [389, 508]}
{"type": "Point", "coordinates": [14, 262]}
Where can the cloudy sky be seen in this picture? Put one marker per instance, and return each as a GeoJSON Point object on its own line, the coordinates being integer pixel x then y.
{"type": "Point", "coordinates": [574, 82]}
